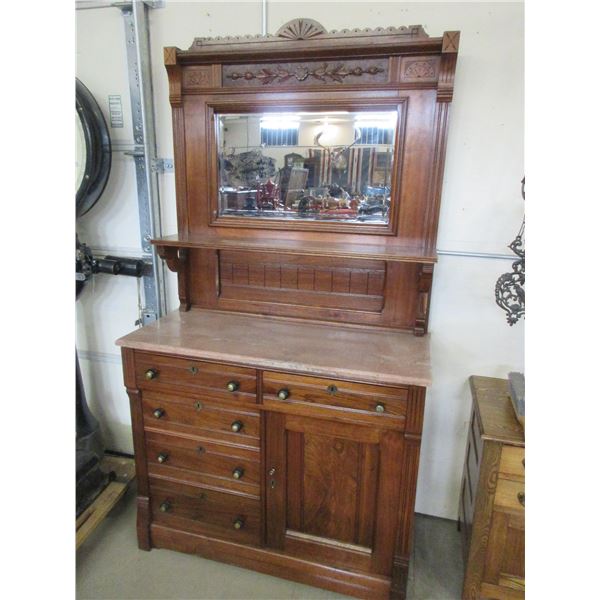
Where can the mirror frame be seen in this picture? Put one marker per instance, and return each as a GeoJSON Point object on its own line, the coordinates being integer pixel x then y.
{"type": "Point", "coordinates": [374, 104]}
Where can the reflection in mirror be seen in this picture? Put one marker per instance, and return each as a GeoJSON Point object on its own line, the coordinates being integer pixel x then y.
{"type": "Point", "coordinates": [325, 166]}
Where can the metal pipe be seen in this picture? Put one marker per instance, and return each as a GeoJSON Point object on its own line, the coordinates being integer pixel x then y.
{"type": "Point", "coordinates": [478, 254]}
{"type": "Point", "coordinates": [82, 5]}
{"type": "Point", "coordinates": [264, 17]}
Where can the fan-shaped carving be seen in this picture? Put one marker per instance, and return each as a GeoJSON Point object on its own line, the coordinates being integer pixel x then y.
{"type": "Point", "coordinates": [301, 29]}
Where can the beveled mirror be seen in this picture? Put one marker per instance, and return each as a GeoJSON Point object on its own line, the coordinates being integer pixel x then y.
{"type": "Point", "coordinates": [332, 165]}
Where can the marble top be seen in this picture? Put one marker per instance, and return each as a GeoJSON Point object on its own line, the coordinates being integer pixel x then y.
{"type": "Point", "coordinates": [373, 356]}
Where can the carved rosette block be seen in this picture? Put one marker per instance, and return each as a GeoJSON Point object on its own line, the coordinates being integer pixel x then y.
{"type": "Point", "coordinates": [450, 42]}
{"type": "Point", "coordinates": [201, 77]}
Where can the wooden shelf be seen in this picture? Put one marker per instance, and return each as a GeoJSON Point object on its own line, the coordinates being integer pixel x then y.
{"type": "Point", "coordinates": [390, 251]}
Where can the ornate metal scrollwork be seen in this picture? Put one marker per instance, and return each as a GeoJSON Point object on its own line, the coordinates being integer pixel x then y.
{"type": "Point", "coordinates": [510, 292]}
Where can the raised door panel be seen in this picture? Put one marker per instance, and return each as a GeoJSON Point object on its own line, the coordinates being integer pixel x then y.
{"type": "Point", "coordinates": [332, 491]}
{"type": "Point", "coordinates": [504, 568]}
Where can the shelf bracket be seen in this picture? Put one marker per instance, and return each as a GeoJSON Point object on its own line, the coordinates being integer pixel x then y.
{"type": "Point", "coordinates": [423, 299]}
{"type": "Point", "coordinates": [177, 260]}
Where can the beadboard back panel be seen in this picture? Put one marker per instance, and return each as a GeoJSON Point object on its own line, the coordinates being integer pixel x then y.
{"type": "Point", "coordinates": [377, 293]}
{"type": "Point", "coordinates": [302, 280]}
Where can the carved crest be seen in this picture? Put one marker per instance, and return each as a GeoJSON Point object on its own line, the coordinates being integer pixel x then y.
{"type": "Point", "coordinates": [301, 29]}
{"type": "Point", "coordinates": [309, 29]}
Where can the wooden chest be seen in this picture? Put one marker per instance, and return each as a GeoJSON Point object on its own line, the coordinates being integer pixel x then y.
{"type": "Point", "coordinates": [492, 500]}
{"type": "Point", "coordinates": [293, 469]}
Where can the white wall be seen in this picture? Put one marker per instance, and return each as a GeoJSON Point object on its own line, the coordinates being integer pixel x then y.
{"type": "Point", "coordinates": [481, 205]}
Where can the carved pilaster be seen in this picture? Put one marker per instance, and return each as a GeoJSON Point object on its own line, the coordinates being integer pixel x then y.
{"type": "Point", "coordinates": [177, 260]}
{"type": "Point", "coordinates": [139, 450]}
{"type": "Point", "coordinates": [143, 523]}
{"type": "Point", "coordinates": [139, 446]}
{"type": "Point", "coordinates": [410, 468]}
{"type": "Point", "coordinates": [399, 579]}
{"type": "Point", "coordinates": [414, 412]}
{"type": "Point", "coordinates": [423, 299]}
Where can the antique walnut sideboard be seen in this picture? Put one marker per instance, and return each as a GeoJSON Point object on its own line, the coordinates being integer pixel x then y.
{"type": "Point", "coordinates": [277, 416]}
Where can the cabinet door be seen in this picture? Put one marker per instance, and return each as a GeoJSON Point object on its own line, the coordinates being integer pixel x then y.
{"type": "Point", "coordinates": [504, 569]}
{"type": "Point", "coordinates": [333, 491]}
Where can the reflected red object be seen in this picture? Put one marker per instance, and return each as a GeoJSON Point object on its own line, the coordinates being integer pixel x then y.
{"type": "Point", "coordinates": [267, 196]}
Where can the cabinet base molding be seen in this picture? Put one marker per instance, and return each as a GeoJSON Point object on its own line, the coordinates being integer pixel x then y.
{"type": "Point", "coordinates": [359, 585]}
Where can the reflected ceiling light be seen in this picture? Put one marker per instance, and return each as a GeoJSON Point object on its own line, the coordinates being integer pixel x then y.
{"type": "Point", "coordinates": [385, 120]}
{"type": "Point", "coordinates": [280, 121]}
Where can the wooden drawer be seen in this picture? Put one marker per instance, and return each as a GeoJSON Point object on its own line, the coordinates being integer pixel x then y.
{"type": "Point", "coordinates": [510, 495]}
{"type": "Point", "coordinates": [205, 510]}
{"type": "Point", "coordinates": [512, 463]}
{"type": "Point", "coordinates": [208, 461]}
{"type": "Point", "coordinates": [207, 418]}
{"type": "Point", "coordinates": [380, 405]}
{"type": "Point", "coordinates": [210, 379]}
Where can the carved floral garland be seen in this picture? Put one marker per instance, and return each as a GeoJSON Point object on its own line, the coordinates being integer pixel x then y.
{"type": "Point", "coordinates": [301, 73]}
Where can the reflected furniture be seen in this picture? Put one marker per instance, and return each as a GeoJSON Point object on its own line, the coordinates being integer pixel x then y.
{"type": "Point", "coordinates": [492, 499]}
{"type": "Point", "coordinates": [277, 416]}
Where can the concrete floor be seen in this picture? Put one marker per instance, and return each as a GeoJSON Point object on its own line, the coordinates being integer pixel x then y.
{"type": "Point", "coordinates": [109, 565]}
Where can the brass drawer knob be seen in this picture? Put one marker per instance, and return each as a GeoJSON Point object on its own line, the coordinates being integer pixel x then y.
{"type": "Point", "coordinates": [380, 407]}
{"type": "Point", "coordinates": [521, 498]}
{"type": "Point", "coordinates": [158, 412]}
{"type": "Point", "coordinates": [237, 473]}
{"type": "Point", "coordinates": [162, 457]}
{"type": "Point", "coordinates": [236, 426]}
{"type": "Point", "coordinates": [165, 506]}
{"type": "Point", "coordinates": [332, 389]}
{"type": "Point", "coordinates": [233, 386]}
{"type": "Point", "coordinates": [238, 523]}
{"type": "Point", "coordinates": [151, 374]}
{"type": "Point", "coordinates": [283, 394]}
